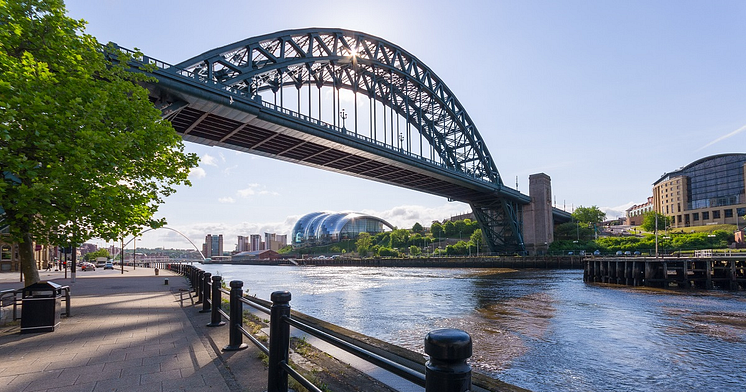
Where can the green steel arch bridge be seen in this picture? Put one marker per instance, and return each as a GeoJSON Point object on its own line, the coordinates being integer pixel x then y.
{"type": "Point", "coordinates": [343, 101]}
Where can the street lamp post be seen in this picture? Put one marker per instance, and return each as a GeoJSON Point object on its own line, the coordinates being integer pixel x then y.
{"type": "Point", "coordinates": [343, 116]}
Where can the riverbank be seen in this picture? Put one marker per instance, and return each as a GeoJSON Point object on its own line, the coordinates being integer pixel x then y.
{"type": "Point", "coordinates": [546, 262]}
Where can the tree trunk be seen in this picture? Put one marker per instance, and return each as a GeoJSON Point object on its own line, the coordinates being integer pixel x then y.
{"type": "Point", "coordinates": [28, 263]}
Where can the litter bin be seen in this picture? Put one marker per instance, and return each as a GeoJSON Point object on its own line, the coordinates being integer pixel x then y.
{"type": "Point", "coordinates": [41, 305]}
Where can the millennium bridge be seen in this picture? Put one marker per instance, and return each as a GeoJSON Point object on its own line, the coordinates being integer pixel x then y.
{"type": "Point", "coordinates": [352, 103]}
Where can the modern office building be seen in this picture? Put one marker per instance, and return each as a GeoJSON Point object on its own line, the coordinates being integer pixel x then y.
{"type": "Point", "coordinates": [256, 243]}
{"type": "Point", "coordinates": [213, 246]}
{"type": "Point", "coordinates": [319, 228]}
{"type": "Point", "coordinates": [705, 192]}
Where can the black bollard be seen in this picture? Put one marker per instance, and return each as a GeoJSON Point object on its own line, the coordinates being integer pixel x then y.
{"type": "Point", "coordinates": [215, 319]}
{"type": "Point", "coordinates": [447, 370]}
{"type": "Point", "coordinates": [199, 275]}
{"type": "Point", "coordinates": [206, 293]}
{"type": "Point", "coordinates": [279, 342]}
{"type": "Point", "coordinates": [235, 338]}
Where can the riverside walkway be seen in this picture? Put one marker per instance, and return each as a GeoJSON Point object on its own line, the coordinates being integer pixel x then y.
{"type": "Point", "coordinates": [127, 332]}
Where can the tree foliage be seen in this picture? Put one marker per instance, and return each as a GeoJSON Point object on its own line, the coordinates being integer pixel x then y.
{"type": "Point", "coordinates": [589, 215]}
{"type": "Point", "coordinates": [648, 221]}
{"type": "Point", "coordinates": [363, 243]}
{"type": "Point", "coordinates": [83, 151]}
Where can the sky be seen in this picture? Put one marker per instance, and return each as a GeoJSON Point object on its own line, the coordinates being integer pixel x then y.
{"type": "Point", "coordinates": [603, 96]}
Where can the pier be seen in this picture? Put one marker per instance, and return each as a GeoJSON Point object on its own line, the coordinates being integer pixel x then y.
{"type": "Point", "coordinates": [721, 272]}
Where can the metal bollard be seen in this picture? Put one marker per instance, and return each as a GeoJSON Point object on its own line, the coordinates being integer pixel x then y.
{"type": "Point", "coordinates": [235, 337]}
{"type": "Point", "coordinates": [165, 281]}
{"type": "Point", "coordinates": [215, 319]}
{"type": "Point", "coordinates": [198, 282]}
{"type": "Point", "coordinates": [206, 293]}
{"type": "Point", "coordinates": [279, 342]}
{"type": "Point", "coordinates": [447, 370]}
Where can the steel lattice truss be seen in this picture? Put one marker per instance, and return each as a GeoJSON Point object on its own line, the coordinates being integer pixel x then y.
{"type": "Point", "coordinates": [363, 64]}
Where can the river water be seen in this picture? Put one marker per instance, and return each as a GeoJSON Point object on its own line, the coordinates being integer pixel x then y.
{"type": "Point", "coordinates": [544, 330]}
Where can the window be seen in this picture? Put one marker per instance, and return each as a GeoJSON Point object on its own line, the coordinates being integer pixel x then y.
{"type": "Point", "coordinates": [716, 214]}
{"type": "Point", "coordinates": [695, 216]}
{"type": "Point", "coordinates": [5, 253]}
{"type": "Point", "coordinates": [706, 215]}
{"type": "Point", "coordinates": [728, 213]}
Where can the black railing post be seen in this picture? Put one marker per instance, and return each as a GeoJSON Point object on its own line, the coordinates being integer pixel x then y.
{"type": "Point", "coordinates": [235, 337]}
{"type": "Point", "coordinates": [447, 370]}
{"type": "Point", "coordinates": [215, 319]}
{"type": "Point", "coordinates": [279, 342]}
{"type": "Point", "coordinates": [198, 275]}
{"type": "Point", "coordinates": [206, 293]}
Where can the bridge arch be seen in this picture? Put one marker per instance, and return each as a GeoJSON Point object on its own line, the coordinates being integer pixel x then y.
{"type": "Point", "coordinates": [365, 65]}
{"type": "Point", "coordinates": [162, 227]}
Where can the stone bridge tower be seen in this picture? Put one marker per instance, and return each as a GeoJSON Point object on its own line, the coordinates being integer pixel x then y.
{"type": "Point", "coordinates": [538, 221]}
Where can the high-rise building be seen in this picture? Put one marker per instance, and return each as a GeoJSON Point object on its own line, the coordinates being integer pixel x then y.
{"type": "Point", "coordinates": [213, 246]}
{"type": "Point", "coordinates": [243, 244]}
{"type": "Point", "coordinates": [256, 242]}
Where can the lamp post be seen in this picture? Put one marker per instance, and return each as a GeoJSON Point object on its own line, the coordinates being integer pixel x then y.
{"type": "Point", "coordinates": [343, 116]}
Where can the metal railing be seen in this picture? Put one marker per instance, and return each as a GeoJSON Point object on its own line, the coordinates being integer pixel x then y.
{"type": "Point", "coordinates": [14, 297]}
{"type": "Point", "coordinates": [447, 369]}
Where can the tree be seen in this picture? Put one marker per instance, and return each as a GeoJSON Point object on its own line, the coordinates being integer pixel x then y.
{"type": "Point", "coordinates": [450, 229]}
{"type": "Point", "coordinates": [648, 221]}
{"type": "Point", "coordinates": [415, 250]}
{"type": "Point", "coordinates": [417, 228]}
{"type": "Point", "coordinates": [399, 238]}
{"type": "Point", "coordinates": [436, 229]}
{"type": "Point", "coordinates": [589, 215]}
{"type": "Point", "coordinates": [363, 243]}
{"type": "Point", "coordinates": [83, 151]}
{"type": "Point", "coordinates": [477, 239]}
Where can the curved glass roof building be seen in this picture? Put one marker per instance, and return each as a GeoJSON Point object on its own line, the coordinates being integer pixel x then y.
{"type": "Point", "coordinates": [318, 228]}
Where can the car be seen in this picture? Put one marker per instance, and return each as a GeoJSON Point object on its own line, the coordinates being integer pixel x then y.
{"type": "Point", "coordinates": [597, 252]}
{"type": "Point", "coordinates": [627, 253]}
{"type": "Point", "coordinates": [86, 266]}
{"type": "Point", "coordinates": [619, 253]}
{"type": "Point", "coordinates": [109, 265]}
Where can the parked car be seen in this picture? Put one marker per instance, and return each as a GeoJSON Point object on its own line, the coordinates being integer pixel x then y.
{"type": "Point", "coordinates": [86, 266]}
{"type": "Point", "coordinates": [109, 265]}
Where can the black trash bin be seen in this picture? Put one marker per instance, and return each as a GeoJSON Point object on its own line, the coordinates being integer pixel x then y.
{"type": "Point", "coordinates": [41, 306]}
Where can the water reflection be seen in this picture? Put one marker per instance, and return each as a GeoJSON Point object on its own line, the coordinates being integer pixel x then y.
{"type": "Point", "coordinates": [541, 330]}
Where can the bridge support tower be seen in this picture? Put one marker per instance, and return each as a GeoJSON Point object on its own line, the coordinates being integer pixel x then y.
{"type": "Point", "coordinates": [538, 222]}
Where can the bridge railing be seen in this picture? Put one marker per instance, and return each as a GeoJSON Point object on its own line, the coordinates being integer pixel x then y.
{"type": "Point", "coordinates": [447, 369]}
{"type": "Point", "coordinates": [287, 112]}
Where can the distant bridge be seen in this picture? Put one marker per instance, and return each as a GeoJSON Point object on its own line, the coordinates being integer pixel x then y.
{"type": "Point", "coordinates": [343, 101]}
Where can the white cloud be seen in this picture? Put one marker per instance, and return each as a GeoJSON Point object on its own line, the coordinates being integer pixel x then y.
{"type": "Point", "coordinates": [255, 189]}
{"type": "Point", "coordinates": [209, 160]}
{"type": "Point", "coordinates": [226, 200]}
{"type": "Point", "coordinates": [197, 172]}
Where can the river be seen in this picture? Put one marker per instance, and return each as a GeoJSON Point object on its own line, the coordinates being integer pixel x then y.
{"type": "Point", "coordinates": [544, 330]}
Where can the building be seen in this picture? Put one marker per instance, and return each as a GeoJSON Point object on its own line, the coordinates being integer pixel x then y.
{"type": "Point", "coordinates": [706, 192]}
{"type": "Point", "coordinates": [274, 241]}
{"type": "Point", "coordinates": [319, 228]}
{"type": "Point", "coordinates": [245, 257]}
{"type": "Point", "coordinates": [213, 246]}
{"type": "Point", "coordinates": [256, 243]}
{"type": "Point", "coordinates": [636, 213]}
{"type": "Point", "coordinates": [243, 244]}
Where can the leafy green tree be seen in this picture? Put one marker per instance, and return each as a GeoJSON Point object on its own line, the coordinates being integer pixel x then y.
{"type": "Point", "coordinates": [449, 229]}
{"type": "Point", "coordinates": [648, 221]}
{"type": "Point", "coordinates": [436, 229]}
{"type": "Point", "coordinates": [83, 151]}
{"type": "Point", "coordinates": [589, 215]}
{"type": "Point", "coordinates": [399, 238]}
{"type": "Point", "coordinates": [363, 243]}
{"type": "Point", "coordinates": [417, 228]}
{"type": "Point", "coordinates": [477, 240]}
{"type": "Point", "coordinates": [415, 250]}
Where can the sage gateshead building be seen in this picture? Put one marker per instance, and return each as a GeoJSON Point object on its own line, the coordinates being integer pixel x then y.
{"type": "Point", "coordinates": [708, 191]}
{"type": "Point", "coordinates": [321, 228]}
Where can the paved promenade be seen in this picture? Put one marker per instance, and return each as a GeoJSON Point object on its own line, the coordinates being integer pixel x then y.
{"type": "Point", "coordinates": [127, 332]}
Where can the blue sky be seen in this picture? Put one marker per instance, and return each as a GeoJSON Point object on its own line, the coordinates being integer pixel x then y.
{"type": "Point", "coordinates": [603, 96]}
